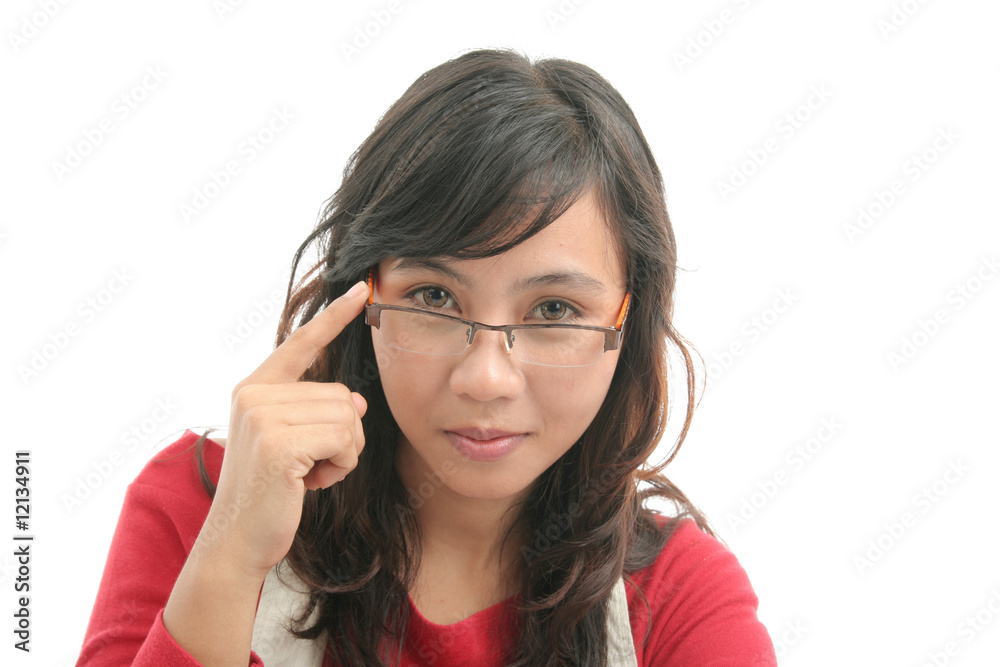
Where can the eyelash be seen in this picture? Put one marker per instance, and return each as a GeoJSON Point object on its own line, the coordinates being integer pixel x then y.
{"type": "Point", "coordinates": [575, 313]}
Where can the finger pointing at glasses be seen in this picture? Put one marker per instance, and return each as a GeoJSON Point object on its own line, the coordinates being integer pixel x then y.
{"type": "Point", "coordinates": [285, 436]}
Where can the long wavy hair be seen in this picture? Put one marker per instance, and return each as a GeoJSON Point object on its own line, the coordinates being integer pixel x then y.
{"type": "Point", "coordinates": [479, 154]}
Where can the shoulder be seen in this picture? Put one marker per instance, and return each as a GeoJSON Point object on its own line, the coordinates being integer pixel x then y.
{"type": "Point", "coordinates": [165, 507]}
{"type": "Point", "coordinates": [170, 485]}
{"type": "Point", "coordinates": [690, 559]}
{"type": "Point", "coordinates": [175, 467]}
{"type": "Point", "coordinates": [695, 602]}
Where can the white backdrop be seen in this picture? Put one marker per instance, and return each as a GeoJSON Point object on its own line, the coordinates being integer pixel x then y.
{"type": "Point", "coordinates": [830, 172]}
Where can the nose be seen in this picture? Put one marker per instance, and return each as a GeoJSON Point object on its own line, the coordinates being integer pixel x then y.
{"type": "Point", "coordinates": [487, 371]}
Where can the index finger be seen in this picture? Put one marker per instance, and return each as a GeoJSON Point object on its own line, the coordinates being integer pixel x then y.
{"type": "Point", "coordinates": [291, 359]}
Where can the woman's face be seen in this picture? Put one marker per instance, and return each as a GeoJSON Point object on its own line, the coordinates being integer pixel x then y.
{"type": "Point", "coordinates": [448, 407]}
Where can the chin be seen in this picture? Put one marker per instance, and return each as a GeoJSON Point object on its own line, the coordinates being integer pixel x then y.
{"type": "Point", "coordinates": [489, 487]}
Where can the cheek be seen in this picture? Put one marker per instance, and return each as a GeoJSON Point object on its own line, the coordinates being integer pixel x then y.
{"type": "Point", "coordinates": [575, 398]}
{"type": "Point", "coordinates": [409, 380]}
{"type": "Point", "coordinates": [394, 366]}
{"type": "Point", "coordinates": [391, 371]}
{"type": "Point", "coordinates": [385, 357]}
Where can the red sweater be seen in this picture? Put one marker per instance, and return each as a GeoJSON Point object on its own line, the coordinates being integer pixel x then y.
{"type": "Point", "coordinates": [704, 611]}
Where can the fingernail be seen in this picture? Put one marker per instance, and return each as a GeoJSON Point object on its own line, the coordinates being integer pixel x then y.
{"type": "Point", "coordinates": [357, 289]}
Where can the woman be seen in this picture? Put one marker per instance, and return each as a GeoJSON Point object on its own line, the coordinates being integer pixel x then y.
{"type": "Point", "coordinates": [451, 478]}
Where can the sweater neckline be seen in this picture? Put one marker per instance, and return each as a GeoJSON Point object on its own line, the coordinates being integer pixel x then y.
{"type": "Point", "coordinates": [487, 617]}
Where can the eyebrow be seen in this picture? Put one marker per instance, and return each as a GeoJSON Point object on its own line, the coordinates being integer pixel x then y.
{"type": "Point", "coordinates": [571, 278]}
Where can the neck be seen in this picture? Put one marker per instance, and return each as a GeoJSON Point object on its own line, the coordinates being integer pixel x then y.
{"type": "Point", "coordinates": [466, 533]}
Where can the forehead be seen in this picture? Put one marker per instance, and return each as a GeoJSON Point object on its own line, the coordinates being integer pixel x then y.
{"type": "Point", "coordinates": [579, 246]}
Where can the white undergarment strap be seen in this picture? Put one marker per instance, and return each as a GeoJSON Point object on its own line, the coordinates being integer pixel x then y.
{"type": "Point", "coordinates": [280, 601]}
{"type": "Point", "coordinates": [621, 648]}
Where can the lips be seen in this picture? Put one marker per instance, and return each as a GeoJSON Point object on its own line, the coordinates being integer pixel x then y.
{"type": "Point", "coordinates": [485, 445]}
{"type": "Point", "coordinates": [482, 433]}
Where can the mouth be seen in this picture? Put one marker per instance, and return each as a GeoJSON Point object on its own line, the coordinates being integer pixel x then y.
{"type": "Point", "coordinates": [477, 444]}
{"type": "Point", "coordinates": [474, 433]}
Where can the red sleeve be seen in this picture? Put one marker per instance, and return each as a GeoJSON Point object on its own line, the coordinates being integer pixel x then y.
{"type": "Point", "coordinates": [160, 519]}
{"type": "Point", "coordinates": [704, 610]}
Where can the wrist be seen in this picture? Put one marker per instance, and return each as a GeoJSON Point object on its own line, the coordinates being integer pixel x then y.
{"type": "Point", "coordinates": [232, 562]}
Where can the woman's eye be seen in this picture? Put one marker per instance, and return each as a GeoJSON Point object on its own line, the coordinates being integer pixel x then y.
{"type": "Point", "coordinates": [554, 311]}
{"type": "Point", "coordinates": [435, 297]}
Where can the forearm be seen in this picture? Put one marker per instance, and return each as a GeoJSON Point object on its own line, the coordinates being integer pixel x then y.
{"type": "Point", "coordinates": [211, 610]}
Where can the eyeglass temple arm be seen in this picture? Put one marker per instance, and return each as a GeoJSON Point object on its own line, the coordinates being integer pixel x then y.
{"type": "Point", "coordinates": [624, 311]}
{"type": "Point", "coordinates": [613, 337]}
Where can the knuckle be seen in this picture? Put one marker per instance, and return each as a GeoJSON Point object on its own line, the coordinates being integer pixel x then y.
{"type": "Point", "coordinates": [300, 336]}
{"type": "Point", "coordinates": [245, 395]}
{"type": "Point", "coordinates": [349, 460]}
{"type": "Point", "coordinates": [343, 412]}
{"type": "Point", "coordinates": [258, 417]}
{"type": "Point", "coordinates": [342, 432]}
{"type": "Point", "coordinates": [339, 391]}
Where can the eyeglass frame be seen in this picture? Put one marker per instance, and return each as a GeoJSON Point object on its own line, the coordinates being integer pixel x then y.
{"type": "Point", "coordinates": [612, 335]}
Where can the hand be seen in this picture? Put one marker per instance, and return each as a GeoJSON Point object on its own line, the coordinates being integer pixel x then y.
{"type": "Point", "coordinates": [285, 436]}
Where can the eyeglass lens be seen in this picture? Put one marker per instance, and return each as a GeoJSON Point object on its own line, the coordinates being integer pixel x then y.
{"type": "Point", "coordinates": [547, 346]}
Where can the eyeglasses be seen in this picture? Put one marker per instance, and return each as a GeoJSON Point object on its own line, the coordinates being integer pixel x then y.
{"type": "Point", "coordinates": [427, 332]}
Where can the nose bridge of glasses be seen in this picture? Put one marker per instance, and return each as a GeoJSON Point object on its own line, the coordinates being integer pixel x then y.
{"type": "Point", "coordinates": [506, 333]}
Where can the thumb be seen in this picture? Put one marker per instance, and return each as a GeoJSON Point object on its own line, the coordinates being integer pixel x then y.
{"type": "Point", "coordinates": [360, 403]}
